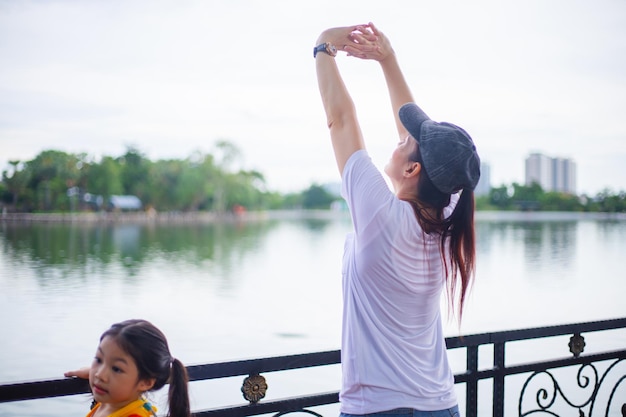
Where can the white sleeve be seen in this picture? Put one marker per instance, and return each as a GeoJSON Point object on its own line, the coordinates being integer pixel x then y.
{"type": "Point", "coordinates": [364, 189]}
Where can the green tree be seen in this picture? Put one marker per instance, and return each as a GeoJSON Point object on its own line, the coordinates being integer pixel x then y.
{"type": "Point", "coordinates": [554, 201]}
{"type": "Point", "coordinates": [499, 197]}
{"type": "Point", "coordinates": [195, 188]}
{"type": "Point", "coordinates": [316, 197]}
{"type": "Point", "coordinates": [526, 197]}
{"type": "Point", "coordinates": [135, 173]}
{"type": "Point", "coordinates": [607, 201]}
{"type": "Point", "coordinates": [16, 184]}
{"type": "Point", "coordinates": [244, 188]}
{"type": "Point", "coordinates": [51, 174]}
{"type": "Point", "coordinates": [104, 178]}
{"type": "Point", "coordinates": [226, 155]}
{"type": "Point", "coordinates": [161, 190]}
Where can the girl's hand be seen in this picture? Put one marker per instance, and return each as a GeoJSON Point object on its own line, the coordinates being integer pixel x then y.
{"type": "Point", "coordinates": [368, 43]}
{"type": "Point", "coordinates": [79, 373]}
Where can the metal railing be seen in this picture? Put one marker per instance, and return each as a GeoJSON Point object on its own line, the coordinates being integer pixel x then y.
{"type": "Point", "coordinates": [599, 380]}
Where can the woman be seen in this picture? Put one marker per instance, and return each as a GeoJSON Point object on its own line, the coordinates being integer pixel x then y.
{"type": "Point", "coordinates": [407, 245]}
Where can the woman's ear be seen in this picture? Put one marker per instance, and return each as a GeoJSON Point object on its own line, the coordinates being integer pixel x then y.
{"type": "Point", "coordinates": [413, 169]}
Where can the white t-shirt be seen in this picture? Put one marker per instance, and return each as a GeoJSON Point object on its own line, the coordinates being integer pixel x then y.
{"type": "Point", "coordinates": [393, 351]}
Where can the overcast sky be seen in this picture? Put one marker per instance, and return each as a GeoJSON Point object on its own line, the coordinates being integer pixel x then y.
{"type": "Point", "coordinates": [173, 77]}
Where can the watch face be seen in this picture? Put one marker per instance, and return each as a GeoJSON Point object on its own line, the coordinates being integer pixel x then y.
{"type": "Point", "coordinates": [332, 50]}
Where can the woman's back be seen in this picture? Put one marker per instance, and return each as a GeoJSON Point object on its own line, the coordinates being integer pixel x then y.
{"type": "Point", "coordinates": [393, 278]}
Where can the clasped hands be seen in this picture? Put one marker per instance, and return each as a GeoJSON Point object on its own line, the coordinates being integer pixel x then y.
{"type": "Point", "coordinates": [361, 41]}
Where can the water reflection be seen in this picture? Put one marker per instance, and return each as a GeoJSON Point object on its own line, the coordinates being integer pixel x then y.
{"type": "Point", "coordinates": [60, 250]}
{"type": "Point", "coordinates": [552, 243]}
{"type": "Point", "coordinates": [84, 247]}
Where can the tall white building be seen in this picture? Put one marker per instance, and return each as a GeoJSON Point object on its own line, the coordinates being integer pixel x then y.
{"type": "Point", "coordinates": [484, 183]}
{"type": "Point", "coordinates": [552, 174]}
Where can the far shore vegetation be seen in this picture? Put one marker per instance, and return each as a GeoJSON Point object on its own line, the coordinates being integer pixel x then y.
{"type": "Point", "coordinates": [58, 182]}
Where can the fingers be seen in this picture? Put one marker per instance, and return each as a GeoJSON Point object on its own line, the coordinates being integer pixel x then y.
{"type": "Point", "coordinates": [374, 29]}
{"type": "Point", "coordinates": [79, 373]}
{"type": "Point", "coordinates": [362, 34]}
{"type": "Point", "coordinates": [362, 51]}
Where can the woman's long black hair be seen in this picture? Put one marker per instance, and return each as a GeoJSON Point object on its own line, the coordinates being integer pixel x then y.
{"type": "Point", "coordinates": [457, 230]}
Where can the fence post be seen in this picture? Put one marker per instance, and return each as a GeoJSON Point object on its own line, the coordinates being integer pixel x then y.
{"type": "Point", "coordinates": [498, 379]}
{"type": "Point", "coordinates": [471, 389]}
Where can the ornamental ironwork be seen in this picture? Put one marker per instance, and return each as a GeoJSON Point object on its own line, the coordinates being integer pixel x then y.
{"type": "Point", "coordinates": [254, 388]}
{"type": "Point", "coordinates": [593, 394]}
{"type": "Point", "coordinates": [576, 344]}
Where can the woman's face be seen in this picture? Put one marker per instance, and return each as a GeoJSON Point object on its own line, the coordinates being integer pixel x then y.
{"type": "Point", "coordinates": [400, 160]}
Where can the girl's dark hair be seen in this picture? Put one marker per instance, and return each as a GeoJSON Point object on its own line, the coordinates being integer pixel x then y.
{"type": "Point", "coordinates": [148, 346]}
{"type": "Point", "coordinates": [457, 229]}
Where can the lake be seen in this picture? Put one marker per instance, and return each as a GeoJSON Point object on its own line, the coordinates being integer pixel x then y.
{"type": "Point", "coordinates": [223, 291]}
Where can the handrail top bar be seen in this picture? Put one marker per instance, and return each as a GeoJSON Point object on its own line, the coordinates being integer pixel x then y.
{"type": "Point", "coordinates": [225, 368]}
{"type": "Point", "coordinates": [269, 364]}
{"type": "Point", "coordinates": [331, 357]}
{"type": "Point", "coordinates": [533, 333]}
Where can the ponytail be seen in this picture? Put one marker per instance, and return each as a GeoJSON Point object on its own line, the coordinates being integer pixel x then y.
{"type": "Point", "coordinates": [178, 395]}
{"type": "Point", "coordinates": [462, 250]}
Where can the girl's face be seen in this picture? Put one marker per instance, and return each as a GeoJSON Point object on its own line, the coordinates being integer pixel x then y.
{"type": "Point", "coordinates": [114, 378]}
{"type": "Point", "coordinates": [399, 163]}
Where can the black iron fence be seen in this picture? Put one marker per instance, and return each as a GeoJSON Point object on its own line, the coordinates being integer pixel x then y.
{"type": "Point", "coordinates": [575, 383]}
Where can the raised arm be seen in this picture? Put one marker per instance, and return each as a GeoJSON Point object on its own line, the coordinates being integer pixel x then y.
{"type": "Point", "coordinates": [378, 47]}
{"type": "Point", "coordinates": [345, 132]}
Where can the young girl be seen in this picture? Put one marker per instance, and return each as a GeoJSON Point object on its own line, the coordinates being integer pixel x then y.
{"type": "Point", "coordinates": [133, 358]}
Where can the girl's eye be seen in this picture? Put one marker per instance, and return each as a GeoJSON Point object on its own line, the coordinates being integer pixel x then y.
{"type": "Point", "coordinates": [117, 370]}
{"type": "Point", "coordinates": [97, 360]}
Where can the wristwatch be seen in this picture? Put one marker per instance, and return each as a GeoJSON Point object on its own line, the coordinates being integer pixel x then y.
{"type": "Point", "coordinates": [327, 47]}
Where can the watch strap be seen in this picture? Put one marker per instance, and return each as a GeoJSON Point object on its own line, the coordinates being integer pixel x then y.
{"type": "Point", "coordinates": [319, 48]}
{"type": "Point", "coordinates": [325, 47]}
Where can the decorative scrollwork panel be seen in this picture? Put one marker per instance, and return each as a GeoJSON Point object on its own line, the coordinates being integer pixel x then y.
{"type": "Point", "coordinates": [594, 393]}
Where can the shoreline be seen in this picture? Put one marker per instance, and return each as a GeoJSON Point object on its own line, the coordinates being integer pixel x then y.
{"type": "Point", "coordinates": [255, 216]}
{"type": "Point", "coordinates": [169, 217]}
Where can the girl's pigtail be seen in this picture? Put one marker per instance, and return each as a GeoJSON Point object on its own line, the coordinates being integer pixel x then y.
{"type": "Point", "coordinates": [178, 395]}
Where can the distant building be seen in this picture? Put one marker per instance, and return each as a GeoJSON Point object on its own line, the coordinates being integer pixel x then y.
{"type": "Point", "coordinates": [552, 174]}
{"type": "Point", "coordinates": [484, 184]}
{"type": "Point", "coordinates": [124, 203]}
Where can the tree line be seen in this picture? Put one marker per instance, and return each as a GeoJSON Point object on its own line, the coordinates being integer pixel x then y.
{"type": "Point", "coordinates": [534, 198]}
{"type": "Point", "coordinates": [56, 181]}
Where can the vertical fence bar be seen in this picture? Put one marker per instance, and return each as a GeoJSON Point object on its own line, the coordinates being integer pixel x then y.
{"type": "Point", "coordinates": [498, 379]}
{"type": "Point", "coordinates": [471, 387]}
